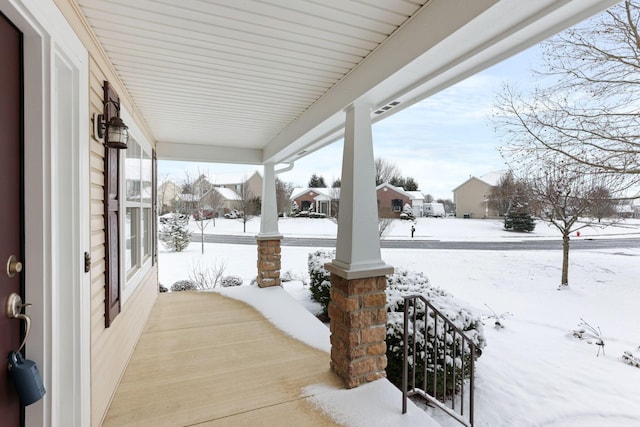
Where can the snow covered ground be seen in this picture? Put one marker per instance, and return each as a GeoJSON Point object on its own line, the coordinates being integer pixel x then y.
{"type": "Point", "coordinates": [533, 372]}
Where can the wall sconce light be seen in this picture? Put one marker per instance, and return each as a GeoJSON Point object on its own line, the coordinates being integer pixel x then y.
{"type": "Point", "coordinates": [109, 126]}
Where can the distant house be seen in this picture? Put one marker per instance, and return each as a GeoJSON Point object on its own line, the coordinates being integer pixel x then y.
{"type": "Point", "coordinates": [629, 210]}
{"type": "Point", "coordinates": [471, 197]}
{"type": "Point", "coordinates": [167, 193]}
{"type": "Point", "coordinates": [222, 200]}
{"type": "Point", "coordinates": [236, 180]}
{"type": "Point", "coordinates": [221, 192]}
{"type": "Point", "coordinates": [392, 199]}
{"type": "Point", "coordinates": [321, 200]}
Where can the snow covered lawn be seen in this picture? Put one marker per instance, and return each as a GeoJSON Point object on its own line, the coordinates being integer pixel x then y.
{"type": "Point", "coordinates": [533, 372]}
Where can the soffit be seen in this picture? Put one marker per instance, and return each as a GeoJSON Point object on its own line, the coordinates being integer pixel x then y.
{"type": "Point", "coordinates": [236, 73]}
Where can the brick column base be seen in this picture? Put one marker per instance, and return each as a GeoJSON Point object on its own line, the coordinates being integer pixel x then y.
{"type": "Point", "coordinates": [358, 329]}
{"type": "Point", "coordinates": [268, 262]}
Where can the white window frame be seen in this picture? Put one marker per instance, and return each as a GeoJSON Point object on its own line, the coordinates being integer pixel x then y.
{"type": "Point", "coordinates": [134, 277]}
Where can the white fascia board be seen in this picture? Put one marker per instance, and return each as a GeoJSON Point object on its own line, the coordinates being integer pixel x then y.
{"type": "Point", "coordinates": [208, 153]}
{"type": "Point", "coordinates": [444, 43]}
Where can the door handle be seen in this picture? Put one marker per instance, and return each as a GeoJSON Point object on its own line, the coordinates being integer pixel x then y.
{"type": "Point", "coordinates": [14, 308]}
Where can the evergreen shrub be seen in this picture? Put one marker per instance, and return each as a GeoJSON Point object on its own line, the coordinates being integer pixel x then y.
{"type": "Point", "coordinates": [175, 234]}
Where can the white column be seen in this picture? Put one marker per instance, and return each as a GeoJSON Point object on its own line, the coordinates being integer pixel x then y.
{"type": "Point", "coordinates": [358, 243]}
{"type": "Point", "coordinates": [269, 213]}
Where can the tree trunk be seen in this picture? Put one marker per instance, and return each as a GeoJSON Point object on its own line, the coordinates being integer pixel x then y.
{"type": "Point", "coordinates": [565, 260]}
{"type": "Point", "coordinates": [202, 238]}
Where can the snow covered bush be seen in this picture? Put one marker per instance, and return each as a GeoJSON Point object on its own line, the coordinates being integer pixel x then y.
{"type": "Point", "coordinates": [407, 213]}
{"type": "Point", "coordinates": [162, 288]}
{"type": "Point", "coordinates": [400, 284]}
{"type": "Point", "coordinates": [319, 283]}
{"type": "Point", "coordinates": [175, 234]}
{"type": "Point", "coordinates": [228, 281]}
{"type": "Point", "coordinates": [403, 283]}
{"type": "Point", "coordinates": [631, 359]}
{"type": "Point", "coordinates": [183, 285]}
{"type": "Point", "coordinates": [590, 334]}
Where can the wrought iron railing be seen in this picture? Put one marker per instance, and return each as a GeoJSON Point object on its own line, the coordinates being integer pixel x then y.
{"type": "Point", "coordinates": [440, 364]}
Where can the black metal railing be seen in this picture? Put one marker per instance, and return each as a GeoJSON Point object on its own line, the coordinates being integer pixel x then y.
{"type": "Point", "coordinates": [440, 363]}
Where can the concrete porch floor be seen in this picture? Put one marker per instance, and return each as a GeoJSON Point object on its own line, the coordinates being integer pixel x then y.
{"type": "Point", "coordinates": [208, 360]}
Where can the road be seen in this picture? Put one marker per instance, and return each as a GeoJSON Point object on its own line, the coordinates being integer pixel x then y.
{"type": "Point", "coordinates": [520, 245]}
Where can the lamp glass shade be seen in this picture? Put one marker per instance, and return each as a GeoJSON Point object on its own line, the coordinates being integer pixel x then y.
{"type": "Point", "coordinates": [117, 134]}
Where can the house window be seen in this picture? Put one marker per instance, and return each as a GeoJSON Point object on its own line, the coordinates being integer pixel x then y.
{"type": "Point", "coordinates": [397, 205]}
{"type": "Point", "coordinates": [138, 222]}
{"type": "Point", "coordinates": [306, 205]}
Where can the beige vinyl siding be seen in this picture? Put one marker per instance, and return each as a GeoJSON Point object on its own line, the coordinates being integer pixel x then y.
{"type": "Point", "coordinates": [254, 184]}
{"type": "Point", "coordinates": [111, 348]}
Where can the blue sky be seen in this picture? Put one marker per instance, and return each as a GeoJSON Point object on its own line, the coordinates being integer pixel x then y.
{"type": "Point", "coordinates": [440, 142]}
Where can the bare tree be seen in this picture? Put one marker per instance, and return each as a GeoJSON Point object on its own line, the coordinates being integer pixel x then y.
{"type": "Point", "coordinates": [283, 195]}
{"type": "Point", "coordinates": [428, 198]}
{"type": "Point", "coordinates": [603, 204]}
{"type": "Point", "coordinates": [212, 202]}
{"type": "Point", "coordinates": [563, 193]}
{"type": "Point", "coordinates": [386, 170]}
{"type": "Point", "coordinates": [197, 204]}
{"type": "Point", "coordinates": [249, 204]}
{"type": "Point", "coordinates": [586, 106]}
{"type": "Point", "coordinates": [508, 193]}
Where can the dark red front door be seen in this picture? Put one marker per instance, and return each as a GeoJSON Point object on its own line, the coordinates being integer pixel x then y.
{"type": "Point", "coordinates": [10, 205]}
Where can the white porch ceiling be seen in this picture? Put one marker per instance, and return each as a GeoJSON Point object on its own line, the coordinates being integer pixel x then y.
{"type": "Point", "coordinates": [251, 81]}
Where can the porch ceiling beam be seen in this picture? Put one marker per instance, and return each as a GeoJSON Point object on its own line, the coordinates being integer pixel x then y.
{"type": "Point", "coordinates": [445, 42]}
{"type": "Point", "coordinates": [208, 153]}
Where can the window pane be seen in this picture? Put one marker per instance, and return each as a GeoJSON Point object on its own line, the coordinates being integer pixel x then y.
{"type": "Point", "coordinates": [132, 239]}
{"type": "Point", "coordinates": [132, 171]}
{"type": "Point", "coordinates": [146, 178]}
{"type": "Point", "coordinates": [146, 230]}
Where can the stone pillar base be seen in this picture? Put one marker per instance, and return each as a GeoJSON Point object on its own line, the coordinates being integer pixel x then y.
{"type": "Point", "coordinates": [268, 262]}
{"type": "Point", "coordinates": [358, 318]}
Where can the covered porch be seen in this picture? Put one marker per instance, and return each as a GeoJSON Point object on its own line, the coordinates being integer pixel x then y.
{"type": "Point", "coordinates": [252, 82]}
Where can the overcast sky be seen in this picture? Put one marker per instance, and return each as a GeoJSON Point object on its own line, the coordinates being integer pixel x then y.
{"type": "Point", "coordinates": [440, 142]}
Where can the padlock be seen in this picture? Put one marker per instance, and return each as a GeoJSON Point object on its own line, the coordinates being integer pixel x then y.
{"type": "Point", "coordinates": [26, 378]}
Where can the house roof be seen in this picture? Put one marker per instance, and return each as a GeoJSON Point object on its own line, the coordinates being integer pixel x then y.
{"type": "Point", "coordinates": [227, 193]}
{"type": "Point", "coordinates": [394, 188]}
{"type": "Point", "coordinates": [268, 81]}
{"type": "Point", "coordinates": [415, 195]}
{"type": "Point", "coordinates": [231, 178]}
{"type": "Point", "coordinates": [492, 179]}
{"type": "Point", "coordinates": [326, 193]}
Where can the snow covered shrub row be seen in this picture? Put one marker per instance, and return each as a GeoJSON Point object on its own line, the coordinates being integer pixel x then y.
{"type": "Point", "coordinates": [228, 281]}
{"type": "Point", "coordinates": [319, 283]}
{"type": "Point", "coordinates": [183, 285]}
{"type": "Point", "coordinates": [400, 284]}
{"type": "Point", "coordinates": [404, 283]}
